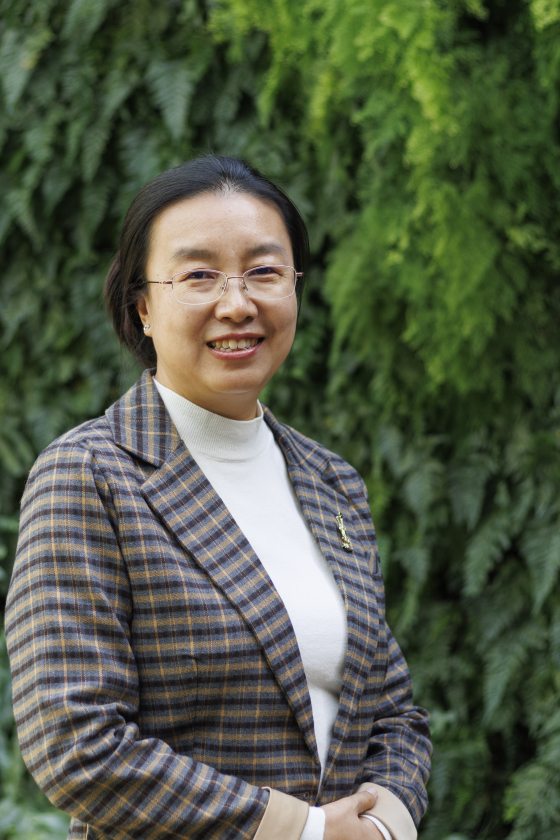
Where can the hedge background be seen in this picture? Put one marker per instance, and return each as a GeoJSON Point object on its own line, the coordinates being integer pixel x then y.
{"type": "Point", "coordinates": [421, 139]}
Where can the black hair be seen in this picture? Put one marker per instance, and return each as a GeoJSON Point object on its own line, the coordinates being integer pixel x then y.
{"type": "Point", "coordinates": [125, 279]}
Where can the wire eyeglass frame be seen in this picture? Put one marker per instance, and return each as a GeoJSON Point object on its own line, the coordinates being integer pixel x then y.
{"type": "Point", "coordinates": [249, 275]}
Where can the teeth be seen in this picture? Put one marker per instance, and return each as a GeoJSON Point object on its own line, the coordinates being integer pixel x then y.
{"type": "Point", "coordinates": [234, 344]}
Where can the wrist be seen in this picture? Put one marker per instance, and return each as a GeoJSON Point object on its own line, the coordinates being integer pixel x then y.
{"type": "Point", "coordinates": [381, 831]}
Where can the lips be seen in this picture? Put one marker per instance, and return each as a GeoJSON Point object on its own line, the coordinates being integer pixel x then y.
{"type": "Point", "coordinates": [229, 344]}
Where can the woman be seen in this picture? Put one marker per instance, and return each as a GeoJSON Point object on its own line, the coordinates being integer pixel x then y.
{"type": "Point", "coordinates": [195, 620]}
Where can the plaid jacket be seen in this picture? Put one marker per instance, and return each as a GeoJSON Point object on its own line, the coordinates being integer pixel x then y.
{"type": "Point", "coordinates": [157, 683]}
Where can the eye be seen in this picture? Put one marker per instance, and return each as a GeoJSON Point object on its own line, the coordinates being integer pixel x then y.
{"type": "Point", "coordinates": [265, 272]}
{"type": "Point", "coordinates": [197, 275]}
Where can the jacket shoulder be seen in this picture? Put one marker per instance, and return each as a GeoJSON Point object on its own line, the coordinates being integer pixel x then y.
{"type": "Point", "coordinates": [84, 443]}
{"type": "Point", "coordinates": [85, 436]}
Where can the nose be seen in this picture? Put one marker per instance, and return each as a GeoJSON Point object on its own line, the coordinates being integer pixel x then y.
{"type": "Point", "coordinates": [235, 303]}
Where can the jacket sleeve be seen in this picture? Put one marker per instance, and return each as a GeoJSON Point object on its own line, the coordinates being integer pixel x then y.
{"type": "Point", "coordinates": [399, 749]}
{"type": "Point", "coordinates": [76, 688]}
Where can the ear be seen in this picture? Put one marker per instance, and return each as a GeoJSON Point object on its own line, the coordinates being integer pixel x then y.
{"type": "Point", "coordinates": [143, 308]}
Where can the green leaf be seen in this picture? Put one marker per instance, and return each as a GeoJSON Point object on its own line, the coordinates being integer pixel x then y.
{"type": "Point", "coordinates": [19, 55]}
{"type": "Point", "coordinates": [505, 661]}
{"type": "Point", "coordinates": [171, 86]}
{"type": "Point", "coordinates": [468, 481]}
{"type": "Point", "coordinates": [485, 549]}
{"type": "Point", "coordinates": [541, 547]}
{"type": "Point", "coordinates": [83, 19]}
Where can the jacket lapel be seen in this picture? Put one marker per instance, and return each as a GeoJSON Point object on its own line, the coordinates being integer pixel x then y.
{"type": "Point", "coordinates": [323, 501]}
{"type": "Point", "coordinates": [181, 496]}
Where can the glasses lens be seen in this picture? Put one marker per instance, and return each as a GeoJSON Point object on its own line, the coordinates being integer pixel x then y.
{"type": "Point", "coordinates": [198, 287]}
{"type": "Point", "coordinates": [271, 281]}
{"type": "Point", "coordinates": [205, 285]}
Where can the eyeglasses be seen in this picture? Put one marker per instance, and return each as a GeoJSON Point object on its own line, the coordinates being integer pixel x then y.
{"type": "Point", "coordinates": [206, 285]}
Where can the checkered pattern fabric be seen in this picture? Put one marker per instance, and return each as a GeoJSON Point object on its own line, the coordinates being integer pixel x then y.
{"type": "Point", "coordinates": [157, 681]}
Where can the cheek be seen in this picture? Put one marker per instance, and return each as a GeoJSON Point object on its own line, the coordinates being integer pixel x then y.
{"type": "Point", "coordinates": [287, 320]}
{"type": "Point", "coordinates": [176, 335]}
{"type": "Point", "coordinates": [176, 321]}
{"type": "Point", "coordinates": [286, 330]}
{"type": "Point", "coordinates": [293, 324]}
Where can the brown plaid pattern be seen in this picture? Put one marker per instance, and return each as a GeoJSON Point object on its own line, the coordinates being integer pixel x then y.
{"type": "Point", "coordinates": [157, 681]}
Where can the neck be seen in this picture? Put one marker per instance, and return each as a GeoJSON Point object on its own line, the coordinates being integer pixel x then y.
{"type": "Point", "coordinates": [214, 435]}
{"type": "Point", "coordinates": [232, 406]}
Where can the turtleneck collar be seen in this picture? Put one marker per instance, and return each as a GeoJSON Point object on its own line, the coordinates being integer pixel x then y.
{"type": "Point", "coordinates": [212, 435]}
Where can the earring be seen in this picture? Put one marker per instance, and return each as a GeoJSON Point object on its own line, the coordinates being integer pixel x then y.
{"type": "Point", "coordinates": [147, 327]}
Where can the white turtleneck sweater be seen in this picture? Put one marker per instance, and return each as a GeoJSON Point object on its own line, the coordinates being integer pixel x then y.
{"type": "Point", "coordinates": [247, 469]}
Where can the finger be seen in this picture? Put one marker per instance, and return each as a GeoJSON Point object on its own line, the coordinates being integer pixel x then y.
{"type": "Point", "coordinates": [364, 799]}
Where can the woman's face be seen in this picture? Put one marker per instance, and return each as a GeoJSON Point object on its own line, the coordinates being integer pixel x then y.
{"type": "Point", "coordinates": [231, 233]}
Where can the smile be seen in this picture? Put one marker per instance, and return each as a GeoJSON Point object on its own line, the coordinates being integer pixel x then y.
{"type": "Point", "coordinates": [234, 343]}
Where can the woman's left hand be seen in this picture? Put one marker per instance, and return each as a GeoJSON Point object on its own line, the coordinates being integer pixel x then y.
{"type": "Point", "coordinates": [343, 820]}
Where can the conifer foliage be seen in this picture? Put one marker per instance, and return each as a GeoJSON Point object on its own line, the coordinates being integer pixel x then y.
{"type": "Point", "coordinates": [420, 139]}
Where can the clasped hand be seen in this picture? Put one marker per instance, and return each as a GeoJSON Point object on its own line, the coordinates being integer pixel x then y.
{"type": "Point", "coordinates": [343, 818]}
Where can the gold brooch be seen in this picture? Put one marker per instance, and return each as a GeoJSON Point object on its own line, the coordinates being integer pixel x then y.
{"type": "Point", "coordinates": [344, 538]}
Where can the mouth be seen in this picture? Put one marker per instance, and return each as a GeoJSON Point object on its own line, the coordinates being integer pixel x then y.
{"type": "Point", "coordinates": [232, 344]}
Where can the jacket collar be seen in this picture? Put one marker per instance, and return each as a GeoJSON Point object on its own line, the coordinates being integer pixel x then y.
{"type": "Point", "coordinates": [141, 425]}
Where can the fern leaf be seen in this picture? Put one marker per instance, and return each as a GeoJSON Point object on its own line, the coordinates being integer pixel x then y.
{"type": "Point", "coordinates": [545, 13]}
{"type": "Point", "coordinates": [18, 58]}
{"type": "Point", "coordinates": [422, 484]}
{"type": "Point", "coordinates": [94, 204]}
{"type": "Point", "coordinates": [532, 801]}
{"type": "Point", "coordinates": [171, 86]}
{"type": "Point", "coordinates": [485, 549]}
{"type": "Point", "coordinates": [117, 87]}
{"type": "Point", "coordinates": [83, 18]}
{"type": "Point", "coordinates": [541, 547]}
{"type": "Point", "coordinates": [504, 664]}
{"type": "Point", "coordinates": [19, 206]}
{"type": "Point", "coordinates": [94, 143]}
{"type": "Point", "coordinates": [467, 486]}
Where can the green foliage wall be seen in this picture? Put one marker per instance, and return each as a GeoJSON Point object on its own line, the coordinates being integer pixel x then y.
{"type": "Point", "coordinates": [420, 140]}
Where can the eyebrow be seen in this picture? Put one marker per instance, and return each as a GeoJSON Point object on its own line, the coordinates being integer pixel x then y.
{"type": "Point", "coordinates": [187, 253]}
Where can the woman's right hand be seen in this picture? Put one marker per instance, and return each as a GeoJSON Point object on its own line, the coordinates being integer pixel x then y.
{"type": "Point", "coordinates": [343, 818]}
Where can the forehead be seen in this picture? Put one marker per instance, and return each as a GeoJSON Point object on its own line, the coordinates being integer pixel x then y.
{"type": "Point", "coordinates": [217, 224]}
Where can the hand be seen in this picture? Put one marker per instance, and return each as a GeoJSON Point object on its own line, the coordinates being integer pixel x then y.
{"type": "Point", "coordinates": [342, 818]}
